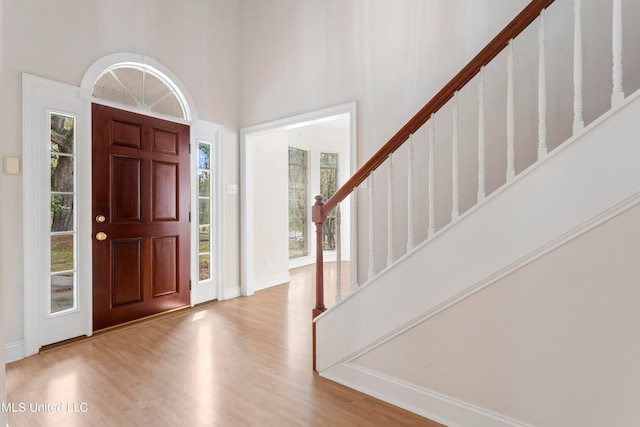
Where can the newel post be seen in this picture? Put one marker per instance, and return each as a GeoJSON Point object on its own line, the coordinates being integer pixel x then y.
{"type": "Point", "coordinates": [318, 220]}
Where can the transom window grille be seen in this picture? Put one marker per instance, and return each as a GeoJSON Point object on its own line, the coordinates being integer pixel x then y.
{"type": "Point", "coordinates": [205, 230]}
{"type": "Point", "coordinates": [328, 186]}
{"type": "Point", "coordinates": [141, 87]}
{"type": "Point", "coordinates": [297, 202]}
{"type": "Point", "coordinates": [63, 235]}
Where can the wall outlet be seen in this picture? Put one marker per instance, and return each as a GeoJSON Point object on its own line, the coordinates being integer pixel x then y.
{"type": "Point", "coordinates": [232, 188]}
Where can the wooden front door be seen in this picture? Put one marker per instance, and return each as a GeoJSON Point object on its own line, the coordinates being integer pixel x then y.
{"type": "Point", "coordinates": [141, 192]}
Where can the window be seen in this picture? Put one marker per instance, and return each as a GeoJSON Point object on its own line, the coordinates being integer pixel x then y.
{"type": "Point", "coordinates": [141, 86]}
{"type": "Point", "coordinates": [328, 186]}
{"type": "Point", "coordinates": [297, 202]}
{"type": "Point", "coordinates": [63, 235]}
{"type": "Point", "coordinates": [204, 211]}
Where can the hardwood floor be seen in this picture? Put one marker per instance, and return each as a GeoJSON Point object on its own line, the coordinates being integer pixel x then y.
{"type": "Point", "coordinates": [242, 362]}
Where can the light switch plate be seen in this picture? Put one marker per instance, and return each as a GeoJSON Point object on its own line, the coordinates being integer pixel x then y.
{"type": "Point", "coordinates": [12, 165]}
{"type": "Point", "coordinates": [232, 189]}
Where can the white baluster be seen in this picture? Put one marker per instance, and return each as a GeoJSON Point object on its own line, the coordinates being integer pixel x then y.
{"type": "Point", "coordinates": [455, 193]}
{"type": "Point", "coordinates": [542, 90]}
{"type": "Point", "coordinates": [578, 121]}
{"type": "Point", "coordinates": [390, 210]}
{"type": "Point", "coordinates": [410, 196]}
{"type": "Point", "coordinates": [372, 271]}
{"type": "Point", "coordinates": [432, 178]}
{"type": "Point", "coordinates": [511, 169]}
{"type": "Point", "coordinates": [617, 96]}
{"type": "Point", "coordinates": [353, 271]}
{"type": "Point", "coordinates": [338, 255]}
{"type": "Point", "coordinates": [481, 138]}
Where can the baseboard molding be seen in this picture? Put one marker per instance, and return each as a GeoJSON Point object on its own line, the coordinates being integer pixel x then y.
{"type": "Point", "coordinates": [328, 256]}
{"type": "Point", "coordinates": [230, 293]}
{"type": "Point", "coordinates": [427, 403]}
{"type": "Point", "coordinates": [14, 351]}
{"type": "Point", "coordinates": [271, 281]}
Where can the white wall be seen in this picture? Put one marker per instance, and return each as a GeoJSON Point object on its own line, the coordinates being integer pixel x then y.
{"type": "Point", "coordinates": [196, 39]}
{"type": "Point", "coordinates": [3, 394]}
{"type": "Point", "coordinates": [270, 244]}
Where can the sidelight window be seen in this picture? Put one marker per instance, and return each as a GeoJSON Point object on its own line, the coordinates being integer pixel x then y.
{"type": "Point", "coordinates": [62, 215]}
{"type": "Point", "coordinates": [205, 222]}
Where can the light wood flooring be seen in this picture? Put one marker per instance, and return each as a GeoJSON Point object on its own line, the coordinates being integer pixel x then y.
{"type": "Point", "coordinates": [241, 362]}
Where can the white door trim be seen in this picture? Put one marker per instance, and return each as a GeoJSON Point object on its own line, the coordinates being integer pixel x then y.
{"type": "Point", "coordinates": [212, 288]}
{"type": "Point", "coordinates": [40, 96]}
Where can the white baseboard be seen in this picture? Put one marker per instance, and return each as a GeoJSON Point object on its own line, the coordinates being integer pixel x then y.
{"type": "Point", "coordinates": [268, 282]}
{"type": "Point", "coordinates": [421, 401]}
{"type": "Point", "coordinates": [329, 256]}
{"type": "Point", "coordinates": [14, 351]}
{"type": "Point", "coordinates": [230, 293]}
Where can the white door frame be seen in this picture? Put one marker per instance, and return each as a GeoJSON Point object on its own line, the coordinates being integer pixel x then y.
{"type": "Point", "coordinates": [248, 281]}
{"type": "Point", "coordinates": [212, 288]}
{"type": "Point", "coordinates": [39, 94]}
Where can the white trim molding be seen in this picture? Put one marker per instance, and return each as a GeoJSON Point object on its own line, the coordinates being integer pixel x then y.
{"type": "Point", "coordinates": [271, 281]}
{"type": "Point", "coordinates": [40, 97]}
{"type": "Point", "coordinates": [14, 351]}
{"type": "Point", "coordinates": [212, 288]}
{"type": "Point", "coordinates": [102, 65]}
{"type": "Point", "coordinates": [419, 400]}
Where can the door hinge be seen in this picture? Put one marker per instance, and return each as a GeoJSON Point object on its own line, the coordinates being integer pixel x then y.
{"type": "Point", "coordinates": [189, 216]}
{"type": "Point", "coordinates": [189, 284]}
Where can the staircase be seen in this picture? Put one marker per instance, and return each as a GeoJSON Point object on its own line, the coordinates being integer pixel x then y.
{"type": "Point", "coordinates": [507, 292]}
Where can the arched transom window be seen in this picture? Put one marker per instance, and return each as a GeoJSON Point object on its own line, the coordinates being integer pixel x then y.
{"type": "Point", "coordinates": [142, 87]}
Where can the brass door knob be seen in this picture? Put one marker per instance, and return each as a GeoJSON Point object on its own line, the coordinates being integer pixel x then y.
{"type": "Point", "coordinates": [100, 219]}
{"type": "Point", "coordinates": [101, 235]}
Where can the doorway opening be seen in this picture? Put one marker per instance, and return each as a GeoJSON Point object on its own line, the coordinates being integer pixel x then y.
{"type": "Point", "coordinates": [284, 165]}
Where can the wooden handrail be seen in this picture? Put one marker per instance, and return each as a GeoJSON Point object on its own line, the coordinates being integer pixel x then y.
{"type": "Point", "coordinates": [495, 46]}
